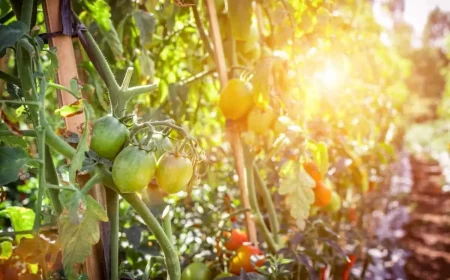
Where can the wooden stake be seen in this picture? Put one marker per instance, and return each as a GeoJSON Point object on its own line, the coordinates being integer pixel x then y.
{"type": "Point", "coordinates": [94, 266]}
{"type": "Point", "coordinates": [232, 129]}
{"type": "Point", "coordinates": [66, 58]}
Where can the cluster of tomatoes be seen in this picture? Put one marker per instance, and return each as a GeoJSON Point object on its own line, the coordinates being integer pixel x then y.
{"type": "Point", "coordinates": [245, 256]}
{"type": "Point", "coordinates": [237, 103]}
{"type": "Point", "coordinates": [324, 196]}
{"type": "Point", "coordinates": [134, 166]}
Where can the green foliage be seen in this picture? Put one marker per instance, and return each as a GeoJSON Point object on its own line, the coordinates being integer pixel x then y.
{"type": "Point", "coordinates": [22, 219]}
{"type": "Point", "coordinates": [6, 249]}
{"type": "Point", "coordinates": [77, 239]}
{"type": "Point", "coordinates": [11, 161]}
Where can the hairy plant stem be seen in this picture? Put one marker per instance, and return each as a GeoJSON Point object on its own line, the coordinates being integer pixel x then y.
{"type": "Point", "coordinates": [171, 255]}
{"type": "Point", "coordinates": [52, 178]}
{"type": "Point", "coordinates": [26, 133]}
{"type": "Point", "coordinates": [267, 197]}
{"type": "Point", "coordinates": [27, 13]}
{"type": "Point", "coordinates": [248, 158]}
{"type": "Point", "coordinates": [112, 199]}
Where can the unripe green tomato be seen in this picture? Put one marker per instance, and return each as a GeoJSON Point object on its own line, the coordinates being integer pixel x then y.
{"type": "Point", "coordinates": [173, 172]}
{"type": "Point", "coordinates": [335, 203]}
{"type": "Point", "coordinates": [133, 169]}
{"type": "Point", "coordinates": [163, 145]}
{"type": "Point", "coordinates": [108, 137]}
{"type": "Point", "coordinates": [196, 271]}
{"type": "Point", "coordinates": [223, 275]}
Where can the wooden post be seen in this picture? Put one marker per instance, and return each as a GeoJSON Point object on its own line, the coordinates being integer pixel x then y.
{"type": "Point", "coordinates": [232, 129]}
{"type": "Point", "coordinates": [94, 266]}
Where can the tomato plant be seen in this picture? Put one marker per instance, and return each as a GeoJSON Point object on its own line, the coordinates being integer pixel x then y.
{"type": "Point", "coordinates": [133, 169]}
{"type": "Point", "coordinates": [108, 137]}
{"type": "Point", "coordinates": [174, 172]}
{"type": "Point", "coordinates": [236, 99]}
{"type": "Point", "coordinates": [197, 271]}
{"type": "Point", "coordinates": [235, 239]}
{"type": "Point", "coordinates": [247, 257]}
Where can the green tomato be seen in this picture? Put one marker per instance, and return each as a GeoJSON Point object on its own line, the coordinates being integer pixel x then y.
{"type": "Point", "coordinates": [196, 271]}
{"type": "Point", "coordinates": [163, 145]}
{"type": "Point", "coordinates": [133, 169]}
{"type": "Point", "coordinates": [174, 172]}
{"type": "Point", "coordinates": [335, 203]}
{"type": "Point", "coordinates": [223, 275]}
{"type": "Point", "coordinates": [108, 137]}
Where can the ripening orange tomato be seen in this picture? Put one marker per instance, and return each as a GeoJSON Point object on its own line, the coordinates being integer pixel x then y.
{"type": "Point", "coordinates": [242, 259]}
{"type": "Point", "coordinates": [313, 171]}
{"type": "Point", "coordinates": [236, 99]}
{"type": "Point", "coordinates": [322, 194]}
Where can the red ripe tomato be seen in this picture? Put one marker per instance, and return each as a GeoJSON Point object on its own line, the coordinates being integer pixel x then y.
{"type": "Point", "coordinates": [312, 170]}
{"type": "Point", "coordinates": [235, 239]}
{"type": "Point", "coordinates": [242, 259]}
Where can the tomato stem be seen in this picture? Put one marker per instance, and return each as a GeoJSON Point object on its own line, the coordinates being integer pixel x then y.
{"type": "Point", "coordinates": [112, 200]}
{"type": "Point", "coordinates": [273, 247]}
{"type": "Point", "coordinates": [267, 197]}
{"type": "Point", "coordinates": [171, 255]}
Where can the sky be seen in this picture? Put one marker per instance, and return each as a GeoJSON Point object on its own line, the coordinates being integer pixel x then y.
{"type": "Point", "coordinates": [416, 11]}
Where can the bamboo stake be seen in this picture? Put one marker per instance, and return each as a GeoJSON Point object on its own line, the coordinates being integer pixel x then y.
{"type": "Point", "coordinates": [94, 266]}
{"type": "Point", "coordinates": [232, 129]}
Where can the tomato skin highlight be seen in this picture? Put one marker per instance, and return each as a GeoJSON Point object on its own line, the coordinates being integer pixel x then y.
{"type": "Point", "coordinates": [242, 259]}
{"type": "Point", "coordinates": [313, 171]}
{"type": "Point", "coordinates": [322, 194]}
{"type": "Point", "coordinates": [235, 239]}
{"type": "Point", "coordinates": [133, 169]}
{"type": "Point", "coordinates": [173, 172]}
{"type": "Point", "coordinates": [108, 137]}
{"type": "Point", "coordinates": [236, 99]}
{"type": "Point", "coordinates": [260, 120]}
{"type": "Point", "coordinates": [196, 271]}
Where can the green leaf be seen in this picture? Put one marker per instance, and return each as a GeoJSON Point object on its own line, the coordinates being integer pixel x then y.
{"type": "Point", "coordinates": [11, 161]}
{"type": "Point", "coordinates": [240, 14]}
{"type": "Point", "coordinates": [75, 202]}
{"type": "Point", "coordinates": [11, 33]}
{"type": "Point", "coordinates": [6, 248]}
{"type": "Point", "coordinates": [147, 66]}
{"type": "Point", "coordinates": [22, 219]}
{"type": "Point", "coordinates": [146, 23]}
{"type": "Point", "coordinates": [297, 186]}
{"type": "Point", "coordinates": [74, 88]}
{"type": "Point", "coordinates": [54, 63]}
{"type": "Point", "coordinates": [82, 148]}
{"type": "Point", "coordinates": [70, 110]}
{"type": "Point", "coordinates": [77, 239]}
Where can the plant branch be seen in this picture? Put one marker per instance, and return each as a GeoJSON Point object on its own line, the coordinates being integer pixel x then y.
{"type": "Point", "coordinates": [61, 87]}
{"type": "Point", "coordinates": [91, 183]}
{"type": "Point", "coordinates": [27, 12]}
{"type": "Point", "coordinates": [267, 197]}
{"type": "Point", "coordinates": [10, 78]}
{"type": "Point", "coordinates": [254, 201]}
{"type": "Point", "coordinates": [52, 178]}
{"type": "Point", "coordinates": [202, 31]}
{"type": "Point", "coordinates": [112, 200]}
{"type": "Point", "coordinates": [27, 133]}
{"type": "Point", "coordinates": [171, 256]}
